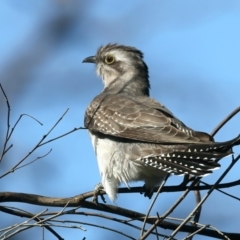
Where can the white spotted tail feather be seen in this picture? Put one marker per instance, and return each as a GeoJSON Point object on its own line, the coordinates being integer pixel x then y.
{"type": "Point", "coordinates": [179, 163]}
{"type": "Point", "coordinates": [198, 159]}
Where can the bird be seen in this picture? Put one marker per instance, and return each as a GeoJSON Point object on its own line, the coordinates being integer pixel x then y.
{"type": "Point", "coordinates": [136, 138]}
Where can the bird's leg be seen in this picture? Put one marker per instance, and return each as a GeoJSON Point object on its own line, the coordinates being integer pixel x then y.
{"type": "Point", "coordinates": [147, 191]}
{"type": "Point", "coordinates": [97, 191]}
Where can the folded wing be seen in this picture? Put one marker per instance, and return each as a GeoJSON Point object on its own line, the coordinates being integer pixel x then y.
{"type": "Point", "coordinates": [123, 117]}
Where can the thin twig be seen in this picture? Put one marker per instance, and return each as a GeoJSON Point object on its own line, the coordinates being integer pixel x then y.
{"type": "Point", "coordinates": [34, 160]}
{"type": "Point", "coordinates": [170, 210]}
{"type": "Point", "coordinates": [18, 120]}
{"type": "Point", "coordinates": [152, 203]}
{"type": "Point", "coordinates": [196, 218]}
{"type": "Point", "coordinates": [224, 121]}
{"type": "Point", "coordinates": [4, 235]}
{"type": "Point", "coordinates": [8, 132]}
{"type": "Point", "coordinates": [220, 233]}
{"type": "Point", "coordinates": [34, 148]}
{"type": "Point", "coordinates": [94, 225]}
{"type": "Point", "coordinates": [194, 233]}
{"type": "Point", "coordinates": [8, 123]}
{"type": "Point", "coordinates": [221, 191]}
{"type": "Point", "coordinates": [6, 150]}
{"type": "Point", "coordinates": [204, 198]}
{"type": "Point", "coordinates": [19, 212]}
{"type": "Point", "coordinates": [63, 135]}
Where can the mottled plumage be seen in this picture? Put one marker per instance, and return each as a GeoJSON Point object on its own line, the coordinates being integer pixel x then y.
{"type": "Point", "coordinates": [134, 136]}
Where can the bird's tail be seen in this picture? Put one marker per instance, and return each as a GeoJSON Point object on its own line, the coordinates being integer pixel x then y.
{"type": "Point", "coordinates": [205, 156]}
{"type": "Point", "coordinates": [198, 159]}
{"type": "Point", "coordinates": [215, 147]}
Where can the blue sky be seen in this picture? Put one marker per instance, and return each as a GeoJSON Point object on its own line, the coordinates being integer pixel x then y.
{"type": "Point", "coordinates": [193, 53]}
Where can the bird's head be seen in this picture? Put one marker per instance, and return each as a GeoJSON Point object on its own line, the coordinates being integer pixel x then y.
{"type": "Point", "coordinates": [122, 69]}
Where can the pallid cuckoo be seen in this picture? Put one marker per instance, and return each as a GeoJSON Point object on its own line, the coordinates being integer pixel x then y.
{"type": "Point", "coordinates": [136, 138]}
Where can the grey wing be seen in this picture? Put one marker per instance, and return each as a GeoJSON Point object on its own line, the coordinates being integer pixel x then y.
{"type": "Point", "coordinates": [123, 117]}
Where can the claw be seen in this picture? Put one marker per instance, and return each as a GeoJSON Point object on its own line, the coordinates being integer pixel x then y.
{"type": "Point", "coordinates": [147, 192]}
{"type": "Point", "coordinates": [98, 191]}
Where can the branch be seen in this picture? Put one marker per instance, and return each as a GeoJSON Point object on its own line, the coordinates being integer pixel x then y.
{"type": "Point", "coordinates": [39, 144]}
{"type": "Point", "coordinates": [79, 200]}
{"type": "Point", "coordinates": [180, 188]}
{"type": "Point", "coordinates": [8, 123]}
{"type": "Point", "coordinates": [30, 217]}
{"type": "Point", "coordinates": [204, 198]}
{"type": "Point", "coordinates": [224, 121]}
{"type": "Point", "coordinates": [56, 202]}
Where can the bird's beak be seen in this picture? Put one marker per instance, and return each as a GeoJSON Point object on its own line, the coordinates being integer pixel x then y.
{"type": "Point", "coordinates": [91, 59]}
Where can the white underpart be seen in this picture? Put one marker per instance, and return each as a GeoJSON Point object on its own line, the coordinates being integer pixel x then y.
{"type": "Point", "coordinates": [116, 168]}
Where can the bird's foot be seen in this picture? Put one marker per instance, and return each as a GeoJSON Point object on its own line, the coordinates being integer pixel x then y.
{"type": "Point", "coordinates": [98, 191]}
{"type": "Point", "coordinates": [147, 192]}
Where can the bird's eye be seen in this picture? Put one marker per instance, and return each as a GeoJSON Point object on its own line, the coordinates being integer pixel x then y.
{"type": "Point", "coordinates": [109, 59]}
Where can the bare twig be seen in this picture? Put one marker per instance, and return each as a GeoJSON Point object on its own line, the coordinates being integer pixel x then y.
{"type": "Point", "coordinates": [18, 120]}
{"type": "Point", "coordinates": [198, 213]}
{"type": "Point", "coordinates": [224, 121]}
{"type": "Point", "coordinates": [152, 203]}
{"type": "Point", "coordinates": [19, 227]}
{"type": "Point", "coordinates": [34, 160]}
{"type": "Point", "coordinates": [192, 234]}
{"type": "Point", "coordinates": [204, 198]}
{"type": "Point", "coordinates": [7, 149]}
{"type": "Point", "coordinates": [221, 191]}
{"type": "Point", "coordinates": [221, 233]}
{"type": "Point", "coordinates": [63, 135]}
{"type": "Point", "coordinates": [159, 220]}
{"type": "Point", "coordinates": [8, 123]}
{"type": "Point", "coordinates": [34, 148]}
{"type": "Point", "coordinates": [19, 212]}
{"type": "Point", "coordinates": [8, 132]}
